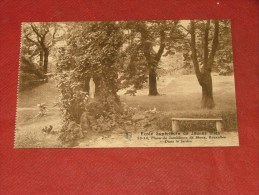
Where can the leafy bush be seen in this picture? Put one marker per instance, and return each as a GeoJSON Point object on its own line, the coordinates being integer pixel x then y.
{"type": "Point", "coordinates": [164, 122]}
{"type": "Point", "coordinates": [70, 132]}
{"type": "Point", "coordinates": [73, 97]}
{"type": "Point", "coordinates": [95, 56]}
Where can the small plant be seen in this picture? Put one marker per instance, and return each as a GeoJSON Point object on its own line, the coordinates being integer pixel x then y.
{"type": "Point", "coordinates": [42, 110]}
{"type": "Point", "coordinates": [70, 132]}
{"type": "Point", "coordinates": [47, 129]}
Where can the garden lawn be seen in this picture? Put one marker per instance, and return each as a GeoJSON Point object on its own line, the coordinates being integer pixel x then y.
{"type": "Point", "coordinates": [180, 96]}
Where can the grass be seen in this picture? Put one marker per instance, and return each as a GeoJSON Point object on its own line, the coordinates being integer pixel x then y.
{"type": "Point", "coordinates": [180, 97]}
{"type": "Point", "coordinates": [45, 93]}
{"type": "Point", "coordinates": [184, 94]}
{"type": "Point", "coordinates": [29, 132]}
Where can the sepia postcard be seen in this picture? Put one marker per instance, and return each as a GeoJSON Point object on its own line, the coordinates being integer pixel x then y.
{"type": "Point", "coordinates": [113, 84]}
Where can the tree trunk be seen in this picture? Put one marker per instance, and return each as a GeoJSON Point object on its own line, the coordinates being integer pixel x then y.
{"type": "Point", "coordinates": [204, 75]}
{"type": "Point", "coordinates": [46, 61]}
{"type": "Point", "coordinates": [41, 58]}
{"type": "Point", "coordinates": [207, 91]}
{"type": "Point", "coordinates": [152, 57]}
{"type": "Point", "coordinates": [152, 82]}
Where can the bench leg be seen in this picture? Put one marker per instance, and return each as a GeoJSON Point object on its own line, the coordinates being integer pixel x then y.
{"type": "Point", "coordinates": [175, 126]}
{"type": "Point", "coordinates": [219, 126]}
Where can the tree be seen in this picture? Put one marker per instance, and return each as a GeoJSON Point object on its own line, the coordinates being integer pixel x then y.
{"type": "Point", "coordinates": [134, 74]}
{"type": "Point", "coordinates": [92, 51]}
{"type": "Point", "coordinates": [224, 56]}
{"type": "Point", "coordinates": [42, 35]}
{"type": "Point", "coordinates": [145, 37]}
{"type": "Point", "coordinates": [152, 57]}
{"type": "Point", "coordinates": [203, 61]}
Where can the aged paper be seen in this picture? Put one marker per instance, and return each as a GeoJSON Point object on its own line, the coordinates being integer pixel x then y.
{"type": "Point", "coordinates": [126, 84]}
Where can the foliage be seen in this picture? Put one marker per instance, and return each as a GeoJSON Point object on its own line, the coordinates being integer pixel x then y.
{"type": "Point", "coordinates": [116, 55]}
{"type": "Point", "coordinates": [70, 132]}
{"type": "Point", "coordinates": [223, 63]}
{"type": "Point", "coordinates": [93, 51]}
{"type": "Point", "coordinates": [224, 57]}
{"type": "Point", "coordinates": [72, 95]}
{"type": "Point", "coordinates": [164, 122]}
{"type": "Point", "coordinates": [37, 41]}
{"type": "Point", "coordinates": [30, 75]}
{"type": "Point", "coordinates": [134, 74]}
{"type": "Point", "coordinates": [146, 42]}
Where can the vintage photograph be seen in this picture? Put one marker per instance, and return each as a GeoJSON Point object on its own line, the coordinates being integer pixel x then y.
{"type": "Point", "coordinates": [111, 84]}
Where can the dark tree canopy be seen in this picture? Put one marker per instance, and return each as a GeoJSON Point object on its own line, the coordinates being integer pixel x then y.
{"type": "Point", "coordinates": [39, 38]}
{"type": "Point", "coordinates": [92, 51]}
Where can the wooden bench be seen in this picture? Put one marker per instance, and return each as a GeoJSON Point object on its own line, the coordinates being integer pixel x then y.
{"type": "Point", "coordinates": [176, 127]}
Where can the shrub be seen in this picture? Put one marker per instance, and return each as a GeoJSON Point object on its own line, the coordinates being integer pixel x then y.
{"type": "Point", "coordinates": [70, 132]}
{"type": "Point", "coordinates": [164, 122]}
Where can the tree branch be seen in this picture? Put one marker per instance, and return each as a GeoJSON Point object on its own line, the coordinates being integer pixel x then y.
{"type": "Point", "coordinates": [162, 46]}
{"type": "Point", "coordinates": [147, 45]}
{"type": "Point", "coordinates": [214, 44]}
{"type": "Point", "coordinates": [184, 28]}
{"type": "Point", "coordinates": [34, 28]}
{"type": "Point", "coordinates": [53, 37]}
{"type": "Point", "coordinates": [194, 51]}
{"type": "Point", "coordinates": [31, 40]}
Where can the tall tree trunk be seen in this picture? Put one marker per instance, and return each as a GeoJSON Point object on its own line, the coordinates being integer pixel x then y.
{"type": "Point", "coordinates": [41, 58]}
{"type": "Point", "coordinates": [151, 56]}
{"type": "Point", "coordinates": [46, 61]}
{"type": "Point", "coordinates": [152, 82]}
{"type": "Point", "coordinates": [207, 91]}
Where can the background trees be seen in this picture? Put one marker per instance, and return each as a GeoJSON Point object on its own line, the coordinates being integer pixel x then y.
{"type": "Point", "coordinates": [128, 54]}
{"type": "Point", "coordinates": [203, 66]}
{"type": "Point", "coordinates": [147, 42]}
{"type": "Point", "coordinates": [224, 55]}
{"type": "Point", "coordinates": [123, 55]}
{"type": "Point", "coordinates": [37, 41]}
{"type": "Point", "coordinates": [39, 38]}
{"type": "Point", "coordinates": [210, 49]}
